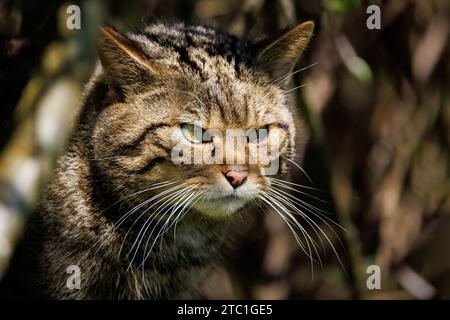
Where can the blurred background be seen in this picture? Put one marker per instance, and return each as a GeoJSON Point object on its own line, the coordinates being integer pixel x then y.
{"type": "Point", "coordinates": [375, 135]}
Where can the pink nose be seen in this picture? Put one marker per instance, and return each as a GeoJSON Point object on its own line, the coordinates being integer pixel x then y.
{"type": "Point", "coordinates": [236, 178]}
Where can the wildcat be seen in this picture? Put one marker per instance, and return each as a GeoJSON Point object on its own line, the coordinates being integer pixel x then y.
{"type": "Point", "coordinates": [116, 194]}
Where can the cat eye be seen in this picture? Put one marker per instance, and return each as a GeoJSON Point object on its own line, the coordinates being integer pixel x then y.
{"type": "Point", "coordinates": [192, 132]}
{"type": "Point", "coordinates": [258, 135]}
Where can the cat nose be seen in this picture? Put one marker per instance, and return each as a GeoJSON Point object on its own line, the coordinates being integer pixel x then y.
{"type": "Point", "coordinates": [236, 178]}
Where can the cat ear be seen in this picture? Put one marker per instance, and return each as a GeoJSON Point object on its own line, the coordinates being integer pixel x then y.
{"type": "Point", "coordinates": [123, 61]}
{"type": "Point", "coordinates": [279, 56]}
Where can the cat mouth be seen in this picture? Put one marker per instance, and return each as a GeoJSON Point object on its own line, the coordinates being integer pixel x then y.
{"type": "Point", "coordinates": [222, 205]}
{"type": "Point", "coordinates": [231, 197]}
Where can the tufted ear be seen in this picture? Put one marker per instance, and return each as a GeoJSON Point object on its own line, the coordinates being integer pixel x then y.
{"type": "Point", "coordinates": [279, 56]}
{"type": "Point", "coordinates": [125, 64]}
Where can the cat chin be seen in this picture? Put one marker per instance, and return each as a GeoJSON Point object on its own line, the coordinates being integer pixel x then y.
{"type": "Point", "coordinates": [221, 207]}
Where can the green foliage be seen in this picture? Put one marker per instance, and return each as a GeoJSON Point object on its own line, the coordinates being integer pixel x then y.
{"type": "Point", "coordinates": [342, 6]}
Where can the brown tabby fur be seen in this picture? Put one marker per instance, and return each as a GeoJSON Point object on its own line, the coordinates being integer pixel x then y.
{"type": "Point", "coordinates": [147, 85]}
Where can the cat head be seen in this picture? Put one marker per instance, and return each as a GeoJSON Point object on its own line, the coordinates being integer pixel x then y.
{"type": "Point", "coordinates": [179, 98]}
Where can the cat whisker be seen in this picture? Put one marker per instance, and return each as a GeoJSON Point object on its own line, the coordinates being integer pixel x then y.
{"type": "Point", "coordinates": [157, 185]}
{"type": "Point", "coordinates": [124, 217]}
{"type": "Point", "coordinates": [142, 233]}
{"type": "Point", "coordinates": [318, 215]}
{"type": "Point", "coordinates": [314, 210]}
{"type": "Point", "coordinates": [198, 197]}
{"type": "Point", "coordinates": [193, 202]}
{"type": "Point", "coordinates": [296, 185]}
{"type": "Point", "coordinates": [300, 168]}
{"type": "Point", "coordinates": [294, 233]}
{"type": "Point", "coordinates": [163, 195]}
{"type": "Point", "coordinates": [290, 200]}
{"type": "Point", "coordinates": [166, 227]}
{"type": "Point", "coordinates": [153, 186]}
{"type": "Point", "coordinates": [183, 210]}
{"type": "Point", "coordinates": [288, 203]}
{"type": "Point", "coordinates": [295, 88]}
{"type": "Point", "coordinates": [176, 197]}
{"type": "Point", "coordinates": [279, 80]}
{"type": "Point", "coordinates": [297, 191]}
{"type": "Point", "coordinates": [138, 218]}
{"type": "Point", "coordinates": [179, 204]}
{"type": "Point", "coordinates": [278, 201]}
{"type": "Point", "coordinates": [148, 221]}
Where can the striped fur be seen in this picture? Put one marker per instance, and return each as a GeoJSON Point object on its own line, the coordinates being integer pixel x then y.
{"type": "Point", "coordinates": [148, 84]}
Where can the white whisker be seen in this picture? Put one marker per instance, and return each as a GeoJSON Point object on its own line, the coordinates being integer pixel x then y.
{"type": "Point", "coordinates": [167, 198]}
{"type": "Point", "coordinates": [295, 88]}
{"type": "Point", "coordinates": [300, 243]}
{"type": "Point", "coordinates": [298, 191]}
{"type": "Point", "coordinates": [279, 81]}
{"type": "Point", "coordinates": [153, 186]}
{"type": "Point", "coordinates": [290, 201]}
{"type": "Point", "coordinates": [301, 169]}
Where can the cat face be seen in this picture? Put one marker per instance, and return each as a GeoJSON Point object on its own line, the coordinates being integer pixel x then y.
{"type": "Point", "coordinates": [197, 117]}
